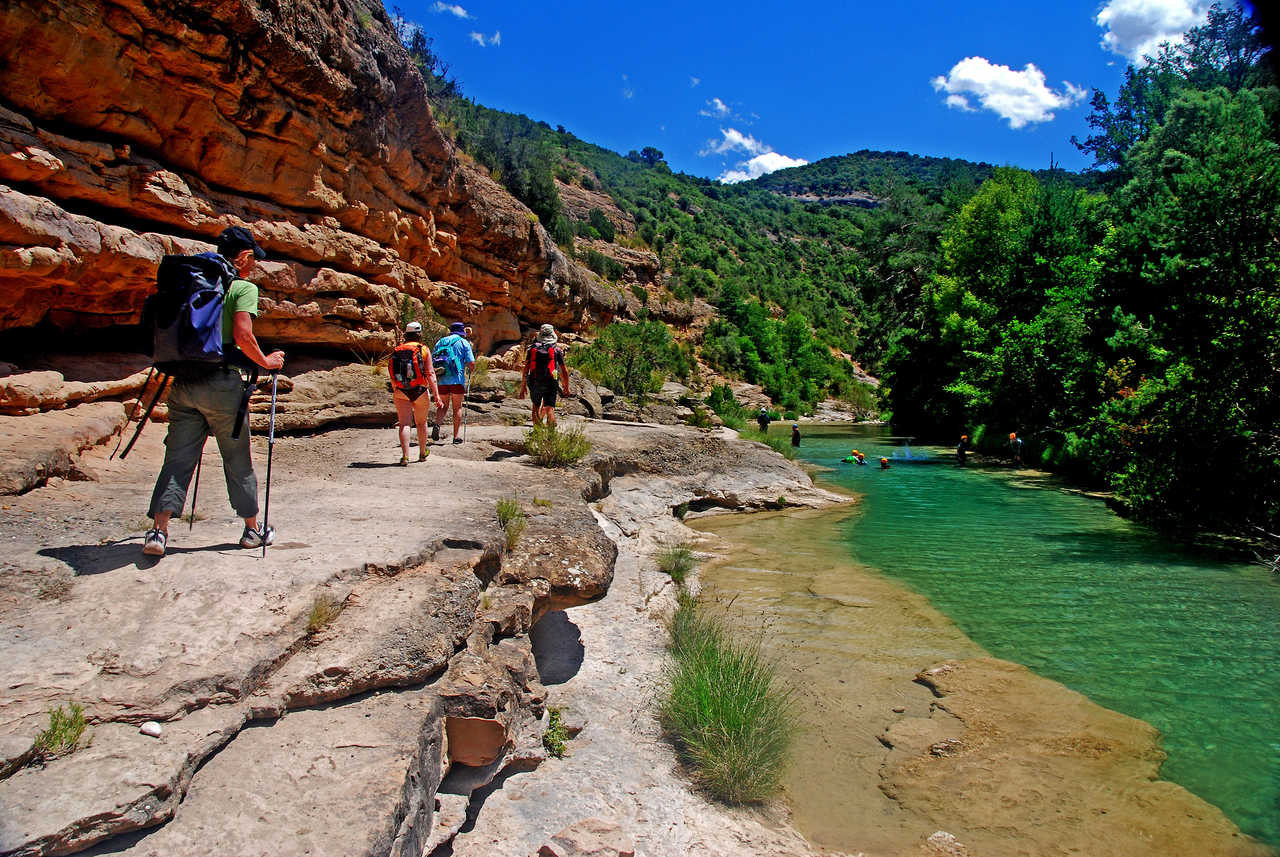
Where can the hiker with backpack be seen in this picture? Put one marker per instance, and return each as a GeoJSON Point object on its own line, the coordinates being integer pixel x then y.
{"type": "Point", "coordinates": [209, 394]}
{"type": "Point", "coordinates": [542, 365]}
{"type": "Point", "coordinates": [453, 360]}
{"type": "Point", "coordinates": [412, 377]}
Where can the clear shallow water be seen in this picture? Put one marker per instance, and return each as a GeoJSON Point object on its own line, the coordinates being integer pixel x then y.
{"type": "Point", "coordinates": [1057, 582]}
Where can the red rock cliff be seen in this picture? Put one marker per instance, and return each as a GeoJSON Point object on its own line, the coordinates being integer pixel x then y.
{"type": "Point", "coordinates": [134, 128]}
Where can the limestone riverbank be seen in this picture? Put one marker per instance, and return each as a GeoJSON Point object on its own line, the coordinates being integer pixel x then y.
{"type": "Point", "coordinates": [391, 728]}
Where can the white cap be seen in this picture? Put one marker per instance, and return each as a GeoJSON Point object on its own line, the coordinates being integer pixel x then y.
{"type": "Point", "coordinates": [413, 327]}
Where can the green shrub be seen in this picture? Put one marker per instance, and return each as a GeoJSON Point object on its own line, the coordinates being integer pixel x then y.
{"type": "Point", "coordinates": [64, 732]}
{"type": "Point", "coordinates": [677, 561]}
{"type": "Point", "coordinates": [699, 418]}
{"type": "Point", "coordinates": [480, 374]}
{"type": "Point", "coordinates": [512, 519]}
{"type": "Point", "coordinates": [722, 401]}
{"type": "Point", "coordinates": [731, 721]}
{"type": "Point", "coordinates": [632, 358]}
{"type": "Point", "coordinates": [556, 736]}
{"type": "Point", "coordinates": [551, 447]}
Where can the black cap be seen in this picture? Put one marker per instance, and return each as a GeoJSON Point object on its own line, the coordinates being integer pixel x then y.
{"type": "Point", "coordinates": [236, 238]}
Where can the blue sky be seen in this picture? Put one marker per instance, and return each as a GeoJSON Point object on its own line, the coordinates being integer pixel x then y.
{"type": "Point", "coordinates": [732, 90]}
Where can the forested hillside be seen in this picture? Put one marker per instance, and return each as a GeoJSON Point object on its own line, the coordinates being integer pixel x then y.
{"type": "Point", "coordinates": [1123, 322]}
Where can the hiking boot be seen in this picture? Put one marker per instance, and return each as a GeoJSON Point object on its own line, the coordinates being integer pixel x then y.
{"type": "Point", "coordinates": [153, 544]}
{"type": "Point", "coordinates": [457, 440]}
{"type": "Point", "coordinates": [257, 538]}
{"type": "Point", "coordinates": [435, 431]}
{"type": "Point", "coordinates": [423, 453]}
{"type": "Point", "coordinates": [404, 462]}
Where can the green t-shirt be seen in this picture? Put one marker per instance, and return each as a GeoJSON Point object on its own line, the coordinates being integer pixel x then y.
{"type": "Point", "coordinates": [242, 296]}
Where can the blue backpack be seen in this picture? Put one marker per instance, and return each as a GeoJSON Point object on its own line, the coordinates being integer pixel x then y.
{"type": "Point", "coordinates": [445, 358]}
{"type": "Point", "coordinates": [185, 313]}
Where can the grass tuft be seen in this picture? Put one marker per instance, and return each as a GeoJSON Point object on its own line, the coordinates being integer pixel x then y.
{"type": "Point", "coordinates": [512, 519]}
{"type": "Point", "coordinates": [779, 443]}
{"type": "Point", "coordinates": [677, 561]}
{"type": "Point", "coordinates": [552, 447]}
{"type": "Point", "coordinates": [556, 736]}
{"type": "Point", "coordinates": [64, 732]}
{"type": "Point", "coordinates": [324, 609]}
{"type": "Point", "coordinates": [731, 721]}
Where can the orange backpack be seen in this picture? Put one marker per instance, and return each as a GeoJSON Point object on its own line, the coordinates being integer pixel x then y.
{"type": "Point", "coordinates": [407, 370]}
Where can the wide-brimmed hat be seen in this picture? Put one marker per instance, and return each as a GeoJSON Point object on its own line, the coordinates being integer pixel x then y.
{"type": "Point", "coordinates": [236, 238]}
{"type": "Point", "coordinates": [547, 334]}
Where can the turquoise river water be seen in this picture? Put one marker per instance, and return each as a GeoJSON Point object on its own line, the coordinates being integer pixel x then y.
{"type": "Point", "coordinates": [1056, 581]}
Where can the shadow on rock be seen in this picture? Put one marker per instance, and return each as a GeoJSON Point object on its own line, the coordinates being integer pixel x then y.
{"type": "Point", "coordinates": [373, 465]}
{"type": "Point", "coordinates": [557, 648]}
{"type": "Point", "coordinates": [98, 559]}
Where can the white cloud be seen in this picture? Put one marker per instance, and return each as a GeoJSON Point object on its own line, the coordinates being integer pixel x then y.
{"type": "Point", "coordinates": [628, 91]}
{"type": "Point", "coordinates": [734, 140]}
{"type": "Point", "coordinates": [762, 157]}
{"type": "Point", "coordinates": [1135, 28]}
{"type": "Point", "coordinates": [487, 42]}
{"type": "Point", "coordinates": [452, 9]}
{"type": "Point", "coordinates": [694, 81]}
{"type": "Point", "coordinates": [760, 165]}
{"type": "Point", "coordinates": [1021, 97]}
{"type": "Point", "coordinates": [716, 109]}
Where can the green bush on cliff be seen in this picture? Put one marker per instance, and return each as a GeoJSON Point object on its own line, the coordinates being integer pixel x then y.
{"type": "Point", "coordinates": [725, 709]}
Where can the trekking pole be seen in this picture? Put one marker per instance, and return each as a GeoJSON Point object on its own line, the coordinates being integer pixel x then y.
{"type": "Point", "coordinates": [164, 382]}
{"type": "Point", "coordinates": [466, 391]}
{"type": "Point", "coordinates": [137, 403]}
{"type": "Point", "coordinates": [195, 492]}
{"type": "Point", "coordinates": [271, 446]}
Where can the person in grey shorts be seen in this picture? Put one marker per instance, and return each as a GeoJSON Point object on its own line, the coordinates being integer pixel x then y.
{"type": "Point", "coordinates": [208, 403]}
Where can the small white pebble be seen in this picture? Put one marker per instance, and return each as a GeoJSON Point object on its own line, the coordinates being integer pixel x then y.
{"type": "Point", "coordinates": [151, 728]}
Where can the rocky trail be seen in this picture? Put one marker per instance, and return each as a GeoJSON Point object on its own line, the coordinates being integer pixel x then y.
{"type": "Point", "coordinates": [278, 738]}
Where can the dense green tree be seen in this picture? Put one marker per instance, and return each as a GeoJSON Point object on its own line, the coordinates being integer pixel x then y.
{"type": "Point", "coordinates": [1224, 51]}
{"type": "Point", "coordinates": [632, 358]}
{"type": "Point", "coordinates": [1194, 253]}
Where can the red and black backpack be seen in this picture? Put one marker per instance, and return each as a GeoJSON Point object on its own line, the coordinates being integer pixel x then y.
{"type": "Point", "coordinates": [543, 359]}
{"type": "Point", "coordinates": [407, 369]}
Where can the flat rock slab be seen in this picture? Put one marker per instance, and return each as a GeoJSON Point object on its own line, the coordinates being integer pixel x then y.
{"type": "Point", "coordinates": [346, 779]}
{"type": "Point", "coordinates": [122, 781]}
{"type": "Point", "coordinates": [36, 448]}
{"type": "Point", "coordinates": [392, 632]}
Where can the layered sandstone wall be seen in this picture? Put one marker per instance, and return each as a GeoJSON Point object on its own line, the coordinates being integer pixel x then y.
{"type": "Point", "coordinates": [134, 128]}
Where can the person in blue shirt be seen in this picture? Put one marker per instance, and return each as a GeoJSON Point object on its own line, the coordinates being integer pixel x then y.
{"type": "Point", "coordinates": [453, 380]}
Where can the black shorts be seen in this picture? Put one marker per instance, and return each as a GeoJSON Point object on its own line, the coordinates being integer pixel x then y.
{"type": "Point", "coordinates": [543, 395]}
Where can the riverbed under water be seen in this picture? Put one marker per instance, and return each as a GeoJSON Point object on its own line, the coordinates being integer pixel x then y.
{"type": "Point", "coordinates": [1030, 572]}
